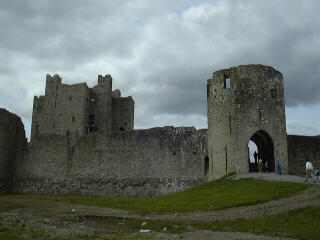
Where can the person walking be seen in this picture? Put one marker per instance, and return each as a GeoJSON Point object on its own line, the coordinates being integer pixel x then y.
{"type": "Point", "coordinates": [260, 167]}
{"type": "Point", "coordinates": [309, 171]}
{"type": "Point", "coordinates": [279, 167]}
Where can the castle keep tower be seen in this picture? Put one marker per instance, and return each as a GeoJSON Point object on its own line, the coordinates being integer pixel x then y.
{"type": "Point", "coordinates": [245, 103]}
{"type": "Point", "coordinates": [79, 110]}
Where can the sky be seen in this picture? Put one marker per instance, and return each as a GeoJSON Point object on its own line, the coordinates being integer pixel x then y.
{"type": "Point", "coordinates": [160, 52]}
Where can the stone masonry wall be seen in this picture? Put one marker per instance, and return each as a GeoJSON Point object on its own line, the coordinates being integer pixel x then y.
{"type": "Point", "coordinates": [301, 148]}
{"type": "Point", "coordinates": [134, 163]}
{"type": "Point", "coordinates": [122, 113]}
{"type": "Point", "coordinates": [13, 147]}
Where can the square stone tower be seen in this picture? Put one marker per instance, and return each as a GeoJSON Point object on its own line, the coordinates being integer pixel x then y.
{"type": "Point", "coordinates": [245, 103]}
{"type": "Point", "coordinates": [78, 110]}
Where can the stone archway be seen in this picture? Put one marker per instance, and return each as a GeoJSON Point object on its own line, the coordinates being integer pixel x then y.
{"type": "Point", "coordinates": [265, 148]}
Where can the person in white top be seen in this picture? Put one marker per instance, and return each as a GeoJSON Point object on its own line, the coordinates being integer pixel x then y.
{"type": "Point", "coordinates": [309, 171]}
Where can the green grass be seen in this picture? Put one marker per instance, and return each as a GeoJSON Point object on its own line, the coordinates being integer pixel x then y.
{"type": "Point", "coordinates": [302, 224]}
{"type": "Point", "coordinates": [218, 194]}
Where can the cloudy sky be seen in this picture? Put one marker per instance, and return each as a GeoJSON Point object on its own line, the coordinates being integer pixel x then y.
{"type": "Point", "coordinates": [160, 52]}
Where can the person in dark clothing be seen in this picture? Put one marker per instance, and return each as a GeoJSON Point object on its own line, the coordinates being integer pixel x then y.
{"type": "Point", "coordinates": [279, 167]}
{"type": "Point", "coordinates": [255, 155]}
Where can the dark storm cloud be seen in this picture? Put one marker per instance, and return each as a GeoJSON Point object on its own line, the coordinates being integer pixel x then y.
{"type": "Point", "coordinates": [161, 52]}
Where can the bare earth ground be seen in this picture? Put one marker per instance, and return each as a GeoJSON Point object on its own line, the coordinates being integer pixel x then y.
{"type": "Point", "coordinates": [59, 218]}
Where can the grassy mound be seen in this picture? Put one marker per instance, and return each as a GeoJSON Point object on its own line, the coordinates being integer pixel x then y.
{"type": "Point", "coordinates": [218, 194]}
{"type": "Point", "coordinates": [301, 224]}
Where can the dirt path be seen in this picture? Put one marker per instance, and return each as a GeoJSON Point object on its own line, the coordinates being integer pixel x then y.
{"type": "Point", "coordinates": [307, 198]}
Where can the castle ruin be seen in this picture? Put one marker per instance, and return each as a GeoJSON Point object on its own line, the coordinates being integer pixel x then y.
{"type": "Point", "coordinates": [246, 103]}
{"type": "Point", "coordinates": [83, 139]}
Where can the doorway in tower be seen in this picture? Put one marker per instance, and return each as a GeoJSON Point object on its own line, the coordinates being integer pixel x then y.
{"type": "Point", "coordinates": [260, 146]}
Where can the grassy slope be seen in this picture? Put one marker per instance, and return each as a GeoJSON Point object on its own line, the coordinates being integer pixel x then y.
{"type": "Point", "coordinates": [218, 194]}
{"type": "Point", "coordinates": [301, 224]}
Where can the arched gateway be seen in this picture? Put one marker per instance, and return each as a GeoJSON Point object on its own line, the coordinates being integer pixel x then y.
{"type": "Point", "coordinates": [265, 151]}
{"type": "Point", "coordinates": [245, 103]}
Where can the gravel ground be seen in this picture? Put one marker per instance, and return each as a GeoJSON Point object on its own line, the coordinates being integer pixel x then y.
{"type": "Point", "coordinates": [277, 177]}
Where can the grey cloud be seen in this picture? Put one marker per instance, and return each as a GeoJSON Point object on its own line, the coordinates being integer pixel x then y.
{"type": "Point", "coordinates": [161, 52]}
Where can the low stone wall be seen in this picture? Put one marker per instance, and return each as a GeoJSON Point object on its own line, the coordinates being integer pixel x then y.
{"type": "Point", "coordinates": [301, 148]}
{"type": "Point", "coordinates": [133, 163]}
{"type": "Point", "coordinates": [13, 146]}
{"type": "Point", "coordinates": [146, 187]}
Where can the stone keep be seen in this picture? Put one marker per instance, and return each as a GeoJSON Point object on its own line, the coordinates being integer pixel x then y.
{"type": "Point", "coordinates": [78, 110]}
{"type": "Point", "coordinates": [245, 103]}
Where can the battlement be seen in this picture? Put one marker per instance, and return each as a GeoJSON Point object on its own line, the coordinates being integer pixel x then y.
{"type": "Point", "coordinates": [53, 79]}
{"type": "Point", "coordinates": [107, 79]}
{"type": "Point", "coordinates": [116, 93]}
{"type": "Point", "coordinates": [242, 76]}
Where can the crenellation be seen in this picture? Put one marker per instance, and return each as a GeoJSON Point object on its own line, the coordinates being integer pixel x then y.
{"type": "Point", "coordinates": [116, 93]}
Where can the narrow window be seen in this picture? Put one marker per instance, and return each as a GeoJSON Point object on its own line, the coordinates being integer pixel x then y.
{"type": "Point", "coordinates": [227, 82]}
{"type": "Point", "coordinates": [70, 98]}
{"type": "Point", "coordinates": [206, 165]}
{"type": "Point", "coordinates": [91, 119]}
{"type": "Point", "coordinates": [273, 92]}
{"type": "Point", "coordinates": [230, 124]}
{"type": "Point", "coordinates": [72, 119]}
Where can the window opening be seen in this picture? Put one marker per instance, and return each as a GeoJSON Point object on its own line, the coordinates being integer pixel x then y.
{"type": "Point", "coordinates": [70, 98]}
{"type": "Point", "coordinates": [206, 165]}
{"type": "Point", "coordinates": [72, 119]}
{"type": "Point", "coordinates": [227, 82]}
{"type": "Point", "coordinates": [122, 129]}
{"type": "Point", "coordinates": [92, 126]}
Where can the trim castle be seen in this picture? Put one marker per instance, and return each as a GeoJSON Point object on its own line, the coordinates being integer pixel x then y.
{"type": "Point", "coordinates": [83, 139]}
